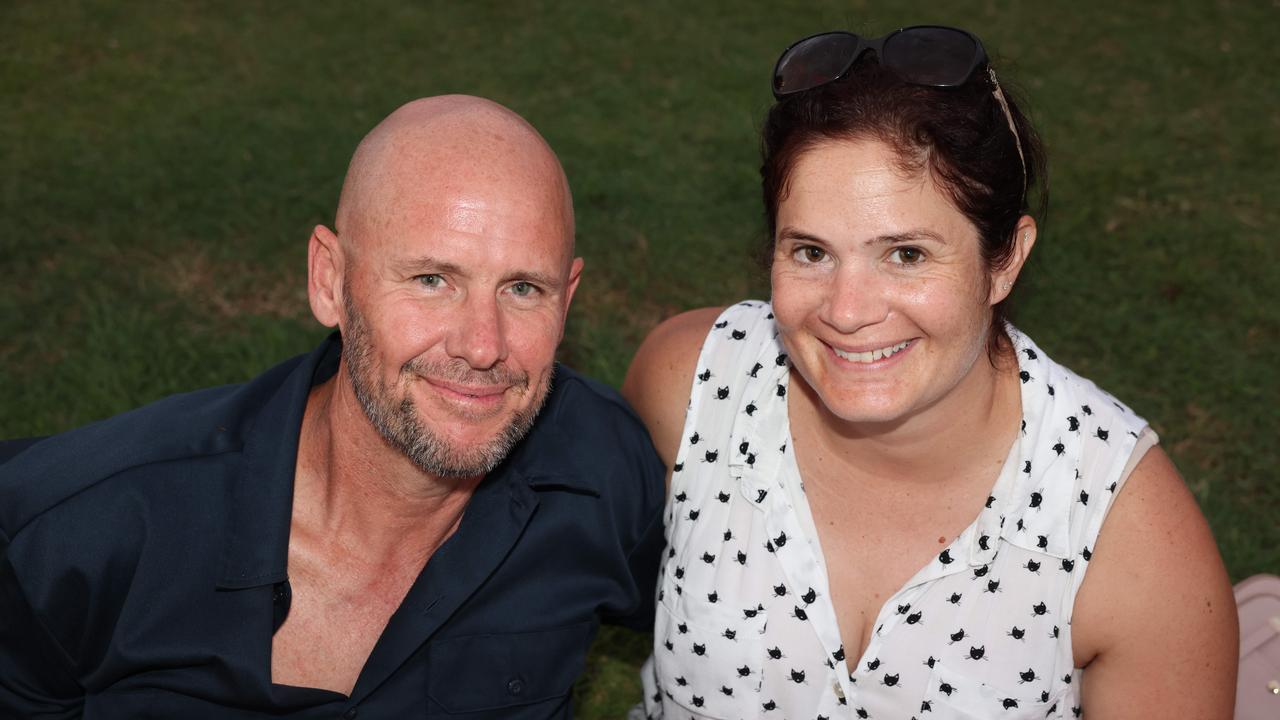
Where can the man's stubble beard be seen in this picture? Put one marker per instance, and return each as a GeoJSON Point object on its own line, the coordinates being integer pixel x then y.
{"type": "Point", "coordinates": [398, 422]}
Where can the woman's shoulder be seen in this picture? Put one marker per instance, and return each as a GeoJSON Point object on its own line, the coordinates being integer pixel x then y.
{"type": "Point", "coordinates": [671, 350]}
{"type": "Point", "coordinates": [1064, 396]}
{"type": "Point", "coordinates": [669, 353]}
{"type": "Point", "coordinates": [1156, 590]}
{"type": "Point", "coordinates": [688, 329]}
{"type": "Point", "coordinates": [661, 373]}
{"type": "Point", "coordinates": [1155, 586]}
{"type": "Point", "coordinates": [678, 335]}
{"type": "Point", "coordinates": [660, 380]}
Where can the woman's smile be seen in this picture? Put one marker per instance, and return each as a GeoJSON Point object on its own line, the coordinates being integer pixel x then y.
{"type": "Point", "coordinates": [879, 286]}
{"type": "Point", "coordinates": [871, 357]}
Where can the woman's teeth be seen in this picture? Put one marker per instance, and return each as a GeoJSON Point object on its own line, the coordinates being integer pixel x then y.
{"type": "Point", "coordinates": [873, 355]}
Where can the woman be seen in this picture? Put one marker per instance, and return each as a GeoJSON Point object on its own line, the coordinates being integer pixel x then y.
{"type": "Point", "coordinates": [885, 501]}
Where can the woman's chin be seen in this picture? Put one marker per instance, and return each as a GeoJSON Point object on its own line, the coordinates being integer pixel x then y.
{"type": "Point", "coordinates": [866, 409]}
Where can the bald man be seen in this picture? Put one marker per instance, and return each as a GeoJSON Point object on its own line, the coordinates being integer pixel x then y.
{"type": "Point", "coordinates": [426, 516]}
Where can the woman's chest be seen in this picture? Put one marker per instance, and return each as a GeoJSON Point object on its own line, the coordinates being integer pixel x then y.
{"type": "Point", "coordinates": [871, 546]}
{"type": "Point", "coordinates": [750, 618]}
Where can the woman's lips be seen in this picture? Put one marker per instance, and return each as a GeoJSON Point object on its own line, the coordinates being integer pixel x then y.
{"type": "Point", "coordinates": [869, 357]}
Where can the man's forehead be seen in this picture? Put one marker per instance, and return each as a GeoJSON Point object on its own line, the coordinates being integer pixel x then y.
{"type": "Point", "coordinates": [469, 232]}
{"type": "Point", "coordinates": [496, 213]}
{"type": "Point", "coordinates": [457, 162]}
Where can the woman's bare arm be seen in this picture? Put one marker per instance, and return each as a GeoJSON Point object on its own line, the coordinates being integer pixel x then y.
{"type": "Point", "coordinates": [660, 378]}
{"type": "Point", "coordinates": [1155, 624]}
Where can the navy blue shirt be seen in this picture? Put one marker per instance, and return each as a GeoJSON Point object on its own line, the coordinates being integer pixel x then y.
{"type": "Point", "coordinates": [143, 564]}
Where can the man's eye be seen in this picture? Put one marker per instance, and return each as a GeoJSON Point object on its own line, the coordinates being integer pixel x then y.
{"type": "Point", "coordinates": [811, 254]}
{"type": "Point", "coordinates": [907, 255]}
{"type": "Point", "coordinates": [432, 280]}
{"type": "Point", "coordinates": [523, 289]}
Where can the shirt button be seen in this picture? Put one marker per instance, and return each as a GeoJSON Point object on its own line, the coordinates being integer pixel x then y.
{"type": "Point", "coordinates": [351, 713]}
{"type": "Point", "coordinates": [515, 686]}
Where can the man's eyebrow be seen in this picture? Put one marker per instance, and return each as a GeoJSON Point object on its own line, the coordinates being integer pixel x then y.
{"type": "Point", "coordinates": [551, 282]}
{"type": "Point", "coordinates": [427, 265]}
{"type": "Point", "coordinates": [430, 265]}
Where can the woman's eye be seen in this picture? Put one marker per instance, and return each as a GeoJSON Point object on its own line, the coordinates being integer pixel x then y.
{"type": "Point", "coordinates": [432, 280]}
{"type": "Point", "coordinates": [811, 254]}
{"type": "Point", "coordinates": [907, 255]}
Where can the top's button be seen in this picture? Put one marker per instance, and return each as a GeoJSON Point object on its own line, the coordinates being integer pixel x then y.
{"type": "Point", "coordinates": [515, 686]}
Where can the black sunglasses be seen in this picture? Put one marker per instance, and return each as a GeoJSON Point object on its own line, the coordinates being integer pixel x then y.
{"type": "Point", "coordinates": [930, 55]}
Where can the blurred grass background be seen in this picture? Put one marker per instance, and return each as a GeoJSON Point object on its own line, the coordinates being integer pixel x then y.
{"type": "Point", "coordinates": [162, 163]}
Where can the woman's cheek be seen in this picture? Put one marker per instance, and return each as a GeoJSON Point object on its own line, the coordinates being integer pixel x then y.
{"type": "Point", "coordinates": [795, 295]}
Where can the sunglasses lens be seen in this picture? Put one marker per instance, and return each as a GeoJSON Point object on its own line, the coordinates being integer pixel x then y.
{"type": "Point", "coordinates": [813, 62]}
{"type": "Point", "coordinates": [941, 57]}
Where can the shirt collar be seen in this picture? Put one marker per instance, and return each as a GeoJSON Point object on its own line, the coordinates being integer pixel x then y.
{"type": "Point", "coordinates": [761, 426]}
{"type": "Point", "coordinates": [1030, 503]}
{"type": "Point", "coordinates": [256, 552]}
{"type": "Point", "coordinates": [1030, 506]}
{"type": "Point", "coordinates": [542, 459]}
{"type": "Point", "coordinates": [257, 547]}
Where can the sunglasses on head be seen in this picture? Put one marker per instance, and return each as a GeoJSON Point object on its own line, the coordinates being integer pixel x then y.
{"type": "Point", "coordinates": [929, 55]}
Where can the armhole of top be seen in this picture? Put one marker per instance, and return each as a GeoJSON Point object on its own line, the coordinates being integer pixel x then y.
{"type": "Point", "coordinates": [712, 347]}
{"type": "Point", "coordinates": [706, 350]}
{"type": "Point", "coordinates": [691, 410]}
{"type": "Point", "coordinates": [1147, 439]}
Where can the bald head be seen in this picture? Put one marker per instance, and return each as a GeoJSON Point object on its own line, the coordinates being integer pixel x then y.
{"type": "Point", "coordinates": [449, 147]}
{"type": "Point", "coordinates": [450, 279]}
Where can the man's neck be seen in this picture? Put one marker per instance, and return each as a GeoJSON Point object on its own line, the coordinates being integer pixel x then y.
{"type": "Point", "coordinates": [358, 493]}
{"type": "Point", "coordinates": [365, 522]}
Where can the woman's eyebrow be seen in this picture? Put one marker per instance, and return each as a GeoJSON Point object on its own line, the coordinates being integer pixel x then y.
{"type": "Point", "coordinates": [790, 233]}
{"type": "Point", "coordinates": [909, 236]}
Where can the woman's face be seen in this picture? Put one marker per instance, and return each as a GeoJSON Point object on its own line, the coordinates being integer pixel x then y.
{"type": "Point", "coordinates": [880, 293]}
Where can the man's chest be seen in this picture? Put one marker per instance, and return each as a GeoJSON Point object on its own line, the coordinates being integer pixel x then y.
{"type": "Point", "coordinates": [330, 630]}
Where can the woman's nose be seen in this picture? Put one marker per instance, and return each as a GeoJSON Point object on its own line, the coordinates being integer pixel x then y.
{"type": "Point", "coordinates": [855, 299]}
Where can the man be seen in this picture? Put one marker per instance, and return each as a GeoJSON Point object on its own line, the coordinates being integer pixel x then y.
{"type": "Point", "coordinates": [424, 517]}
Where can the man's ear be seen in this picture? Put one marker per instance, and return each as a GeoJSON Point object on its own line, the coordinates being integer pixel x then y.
{"type": "Point", "coordinates": [1003, 279]}
{"type": "Point", "coordinates": [326, 261]}
{"type": "Point", "coordinates": [575, 274]}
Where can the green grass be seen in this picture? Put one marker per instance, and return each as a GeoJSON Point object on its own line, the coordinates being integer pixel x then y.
{"type": "Point", "coordinates": [163, 163]}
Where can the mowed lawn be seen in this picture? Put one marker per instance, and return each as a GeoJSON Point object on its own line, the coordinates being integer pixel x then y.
{"type": "Point", "coordinates": [162, 163]}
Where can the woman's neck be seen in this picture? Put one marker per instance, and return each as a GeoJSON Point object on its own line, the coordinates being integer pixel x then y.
{"type": "Point", "coordinates": [966, 431]}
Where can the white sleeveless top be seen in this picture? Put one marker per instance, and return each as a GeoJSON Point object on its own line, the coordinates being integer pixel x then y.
{"type": "Point", "coordinates": [745, 627]}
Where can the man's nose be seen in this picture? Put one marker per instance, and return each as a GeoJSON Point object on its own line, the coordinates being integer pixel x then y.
{"type": "Point", "coordinates": [479, 332]}
{"type": "Point", "coordinates": [855, 299]}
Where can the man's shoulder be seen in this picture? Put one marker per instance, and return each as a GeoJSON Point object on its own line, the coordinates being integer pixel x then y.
{"type": "Point", "coordinates": [588, 430]}
{"type": "Point", "coordinates": [201, 423]}
{"type": "Point", "coordinates": [579, 391]}
{"type": "Point", "coordinates": [584, 409]}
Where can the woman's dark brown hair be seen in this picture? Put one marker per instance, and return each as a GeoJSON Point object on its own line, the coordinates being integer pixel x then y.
{"type": "Point", "coordinates": [958, 134]}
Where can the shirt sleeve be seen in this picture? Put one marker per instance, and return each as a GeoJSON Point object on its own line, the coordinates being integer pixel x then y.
{"type": "Point", "coordinates": [36, 679]}
{"type": "Point", "coordinates": [646, 550]}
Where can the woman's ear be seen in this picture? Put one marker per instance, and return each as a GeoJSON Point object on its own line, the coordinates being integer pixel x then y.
{"type": "Point", "coordinates": [1004, 278]}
